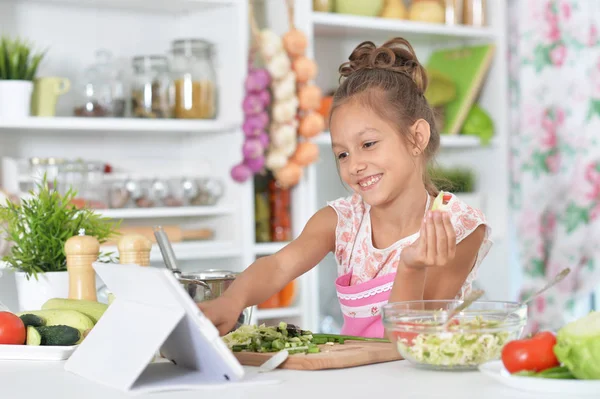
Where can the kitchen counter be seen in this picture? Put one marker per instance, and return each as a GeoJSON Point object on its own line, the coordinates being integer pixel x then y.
{"type": "Point", "coordinates": [20, 379]}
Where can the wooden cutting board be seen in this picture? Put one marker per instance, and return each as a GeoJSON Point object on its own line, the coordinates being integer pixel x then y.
{"type": "Point", "coordinates": [337, 356]}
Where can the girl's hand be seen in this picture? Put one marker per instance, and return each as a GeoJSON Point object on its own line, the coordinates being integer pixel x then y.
{"type": "Point", "coordinates": [223, 312]}
{"type": "Point", "coordinates": [436, 245]}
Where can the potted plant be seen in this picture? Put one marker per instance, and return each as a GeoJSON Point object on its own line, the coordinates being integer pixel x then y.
{"type": "Point", "coordinates": [37, 228]}
{"type": "Point", "coordinates": [18, 68]}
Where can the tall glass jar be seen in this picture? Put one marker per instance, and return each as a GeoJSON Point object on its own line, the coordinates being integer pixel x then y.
{"type": "Point", "coordinates": [150, 87]}
{"type": "Point", "coordinates": [194, 79]}
{"type": "Point", "coordinates": [101, 92]}
{"type": "Point", "coordinates": [280, 212]}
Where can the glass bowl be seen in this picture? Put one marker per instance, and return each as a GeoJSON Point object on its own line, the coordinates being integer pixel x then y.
{"type": "Point", "coordinates": [474, 336]}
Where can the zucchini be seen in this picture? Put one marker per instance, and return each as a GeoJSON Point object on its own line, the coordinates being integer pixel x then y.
{"type": "Point", "coordinates": [92, 309]}
{"type": "Point", "coordinates": [33, 336]}
{"type": "Point", "coordinates": [56, 317]}
{"type": "Point", "coordinates": [32, 320]}
{"type": "Point", "coordinates": [59, 335]}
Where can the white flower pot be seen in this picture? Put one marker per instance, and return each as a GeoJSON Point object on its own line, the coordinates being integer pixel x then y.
{"type": "Point", "coordinates": [15, 99]}
{"type": "Point", "coordinates": [32, 293]}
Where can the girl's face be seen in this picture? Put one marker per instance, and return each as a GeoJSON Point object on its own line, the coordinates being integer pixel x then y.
{"type": "Point", "coordinates": [374, 159]}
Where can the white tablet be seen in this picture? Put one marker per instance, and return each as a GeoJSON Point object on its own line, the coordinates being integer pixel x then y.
{"type": "Point", "coordinates": [151, 313]}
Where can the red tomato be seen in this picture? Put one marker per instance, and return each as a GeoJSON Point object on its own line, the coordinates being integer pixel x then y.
{"type": "Point", "coordinates": [12, 329]}
{"type": "Point", "coordinates": [533, 354]}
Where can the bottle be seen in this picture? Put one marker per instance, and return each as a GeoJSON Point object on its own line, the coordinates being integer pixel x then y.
{"type": "Point", "coordinates": [280, 212]}
{"type": "Point", "coordinates": [134, 249]}
{"type": "Point", "coordinates": [82, 251]}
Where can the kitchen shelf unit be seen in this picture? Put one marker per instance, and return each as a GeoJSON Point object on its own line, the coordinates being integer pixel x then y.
{"type": "Point", "coordinates": [332, 39]}
{"type": "Point", "coordinates": [212, 147]}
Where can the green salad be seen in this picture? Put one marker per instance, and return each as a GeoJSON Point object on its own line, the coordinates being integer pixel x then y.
{"type": "Point", "coordinates": [455, 348]}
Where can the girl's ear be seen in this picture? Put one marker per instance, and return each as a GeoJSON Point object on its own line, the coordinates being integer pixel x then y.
{"type": "Point", "coordinates": [421, 132]}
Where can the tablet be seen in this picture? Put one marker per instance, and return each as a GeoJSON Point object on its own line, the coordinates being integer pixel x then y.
{"type": "Point", "coordinates": [152, 314]}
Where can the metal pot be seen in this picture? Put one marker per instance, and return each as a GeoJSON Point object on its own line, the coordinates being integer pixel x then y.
{"type": "Point", "coordinates": [210, 284]}
{"type": "Point", "coordinates": [201, 286]}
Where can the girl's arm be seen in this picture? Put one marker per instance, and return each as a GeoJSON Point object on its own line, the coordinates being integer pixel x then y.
{"type": "Point", "coordinates": [268, 275]}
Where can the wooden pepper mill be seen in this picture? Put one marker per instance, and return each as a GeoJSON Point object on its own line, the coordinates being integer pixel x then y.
{"type": "Point", "coordinates": [82, 251]}
{"type": "Point", "coordinates": [134, 249]}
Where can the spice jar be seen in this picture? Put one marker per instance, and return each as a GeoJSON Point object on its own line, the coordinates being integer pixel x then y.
{"type": "Point", "coordinates": [150, 87]}
{"type": "Point", "coordinates": [194, 79]}
{"type": "Point", "coordinates": [279, 207]}
{"type": "Point", "coordinates": [101, 93]}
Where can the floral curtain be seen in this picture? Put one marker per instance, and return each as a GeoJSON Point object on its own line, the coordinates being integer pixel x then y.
{"type": "Point", "coordinates": [554, 65]}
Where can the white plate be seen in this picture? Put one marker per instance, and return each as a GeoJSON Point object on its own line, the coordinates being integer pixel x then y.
{"type": "Point", "coordinates": [497, 371]}
{"type": "Point", "coordinates": [30, 352]}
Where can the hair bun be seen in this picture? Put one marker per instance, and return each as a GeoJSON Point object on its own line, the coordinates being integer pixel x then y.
{"type": "Point", "coordinates": [395, 55]}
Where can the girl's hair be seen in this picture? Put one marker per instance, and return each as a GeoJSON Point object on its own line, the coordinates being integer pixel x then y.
{"type": "Point", "coordinates": [391, 82]}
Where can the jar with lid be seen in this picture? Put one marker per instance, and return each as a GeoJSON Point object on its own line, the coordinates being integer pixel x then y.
{"type": "Point", "coordinates": [150, 87]}
{"type": "Point", "coordinates": [194, 79]}
{"type": "Point", "coordinates": [101, 92]}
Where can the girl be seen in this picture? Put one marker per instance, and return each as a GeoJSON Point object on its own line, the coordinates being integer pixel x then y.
{"type": "Point", "coordinates": [389, 245]}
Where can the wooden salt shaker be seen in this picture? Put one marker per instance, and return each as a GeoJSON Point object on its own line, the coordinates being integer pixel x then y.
{"type": "Point", "coordinates": [134, 249]}
{"type": "Point", "coordinates": [82, 251]}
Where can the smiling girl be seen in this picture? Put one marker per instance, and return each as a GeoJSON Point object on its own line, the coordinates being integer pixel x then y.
{"type": "Point", "coordinates": [388, 243]}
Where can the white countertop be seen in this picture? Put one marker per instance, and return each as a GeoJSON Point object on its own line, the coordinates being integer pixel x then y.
{"type": "Point", "coordinates": [29, 379]}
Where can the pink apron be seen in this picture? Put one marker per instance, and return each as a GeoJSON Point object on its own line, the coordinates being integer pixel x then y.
{"type": "Point", "coordinates": [361, 304]}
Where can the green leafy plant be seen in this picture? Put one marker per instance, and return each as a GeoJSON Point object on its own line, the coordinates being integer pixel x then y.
{"type": "Point", "coordinates": [457, 180]}
{"type": "Point", "coordinates": [18, 61]}
{"type": "Point", "coordinates": [39, 226]}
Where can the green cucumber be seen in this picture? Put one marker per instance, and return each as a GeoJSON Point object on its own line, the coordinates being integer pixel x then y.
{"type": "Point", "coordinates": [33, 336]}
{"type": "Point", "coordinates": [60, 335]}
{"type": "Point", "coordinates": [32, 320]}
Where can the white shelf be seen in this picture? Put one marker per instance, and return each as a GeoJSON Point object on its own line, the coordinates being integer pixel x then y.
{"type": "Point", "coordinates": [331, 24]}
{"type": "Point", "coordinates": [163, 6]}
{"type": "Point", "coordinates": [191, 250]}
{"type": "Point", "coordinates": [268, 248]}
{"type": "Point", "coordinates": [114, 125]}
{"type": "Point", "coordinates": [447, 141]}
{"type": "Point", "coordinates": [181, 211]}
{"type": "Point", "coordinates": [277, 313]}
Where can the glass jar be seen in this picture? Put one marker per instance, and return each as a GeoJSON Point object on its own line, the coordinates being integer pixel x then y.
{"type": "Point", "coordinates": [280, 212]}
{"type": "Point", "coordinates": [150, 87]}
{"type": "Point", "coordinates": [86, 179]}
{"type": "Point", "coordinates": [194, 79]}
{"type": "Point", "coordinates": [262, 211]}
{"type": "Point", "coordinates": [101, 92]}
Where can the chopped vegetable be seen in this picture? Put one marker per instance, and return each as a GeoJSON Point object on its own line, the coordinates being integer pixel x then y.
{"type": "Point", "coordinates": [454, 348]}
{"type": "Point", "coordinates": [283, 337]}
{"type": "Point", "coordinates": [270, 339]}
